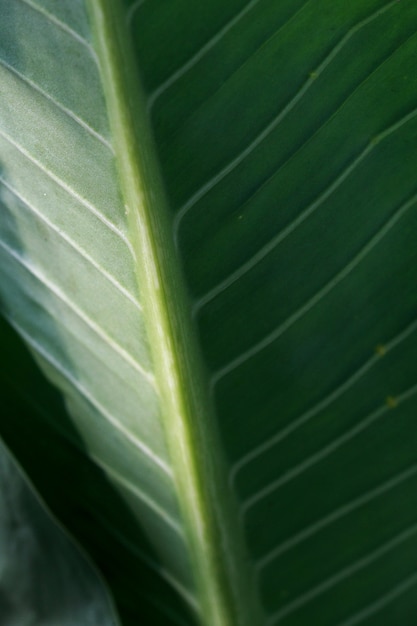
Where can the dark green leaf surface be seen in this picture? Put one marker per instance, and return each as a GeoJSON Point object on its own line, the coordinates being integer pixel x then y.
{"type": "Point", "coordinates": [44, 579]}
{"type": "Point", "coordinates": [286, 141]}
{"type": "Point", "coordinates": [287, 137]}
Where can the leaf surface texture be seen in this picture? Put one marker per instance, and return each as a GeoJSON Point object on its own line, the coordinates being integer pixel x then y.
{"type": "Point", "coordinates": [286, 142]}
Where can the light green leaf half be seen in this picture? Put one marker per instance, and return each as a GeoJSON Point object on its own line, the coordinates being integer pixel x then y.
{"type": "Point", "coordinates": [207, 240]}
{"type": "Point", "coordinates": [83, 314]}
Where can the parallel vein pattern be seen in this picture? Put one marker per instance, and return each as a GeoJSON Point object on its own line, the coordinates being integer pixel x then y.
{"type": "Point", "coordinates": [286, 134]}
{"type": "Point", "coordinates": [69, 284]}
{"type": "Point", "coordinates": [280, 117]}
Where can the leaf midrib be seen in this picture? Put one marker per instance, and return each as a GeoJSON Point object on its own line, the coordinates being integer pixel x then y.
{"type": "Point", "coordinates": [209, 512]}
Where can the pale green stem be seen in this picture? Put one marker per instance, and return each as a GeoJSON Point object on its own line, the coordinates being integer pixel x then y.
{"type": "Point", "coordinates": [222, 571]}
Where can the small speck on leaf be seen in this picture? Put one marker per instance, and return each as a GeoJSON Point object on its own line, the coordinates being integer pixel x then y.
{"type": "Point", "coordinates": [380, 350]}
{"type": "Point", "coordinates": [391, 402]}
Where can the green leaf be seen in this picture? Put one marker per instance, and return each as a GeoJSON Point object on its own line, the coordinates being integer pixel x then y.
{"type": "Point", "coordinates": [36, 426]}
{"type": "Point", "coordinates": [207, 242]}
{"type": "Point", "coordinates": [44, 579]}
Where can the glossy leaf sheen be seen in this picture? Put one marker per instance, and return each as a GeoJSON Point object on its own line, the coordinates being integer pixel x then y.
{"type": "Point", "coordinates": [286, 142]}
